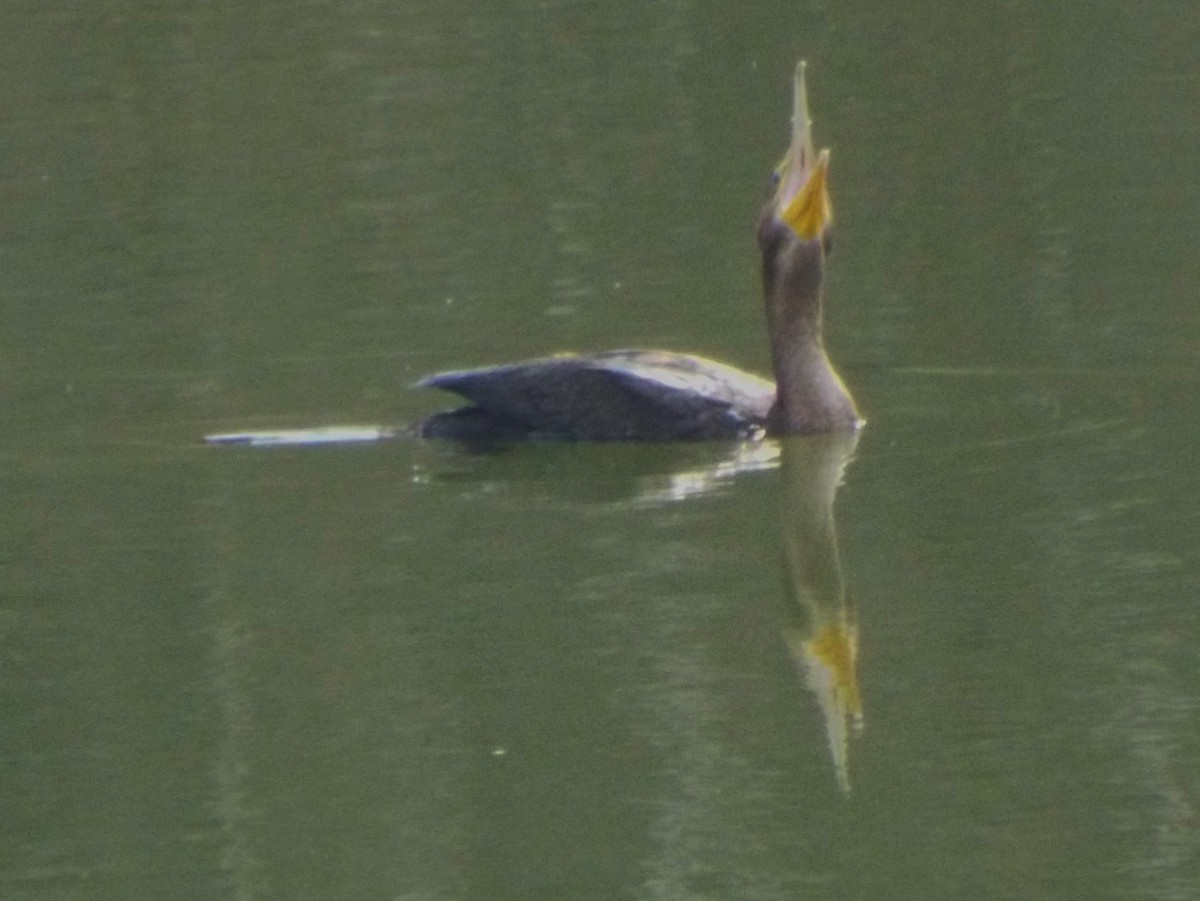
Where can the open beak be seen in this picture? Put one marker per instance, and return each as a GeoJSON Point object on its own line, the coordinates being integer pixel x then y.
{"type": "Point", "coordinates": [802, 200]}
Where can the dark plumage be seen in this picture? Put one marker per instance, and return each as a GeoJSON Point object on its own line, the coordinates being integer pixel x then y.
{"type": "Point", "coordinates": [614, 396]}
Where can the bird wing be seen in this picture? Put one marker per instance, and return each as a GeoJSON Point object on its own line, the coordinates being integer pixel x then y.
{"type": "Point", "coordinates": [617, 395]}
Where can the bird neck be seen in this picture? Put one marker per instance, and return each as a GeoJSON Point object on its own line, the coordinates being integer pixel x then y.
{"type": "Point", "coordinates": [809, 395]}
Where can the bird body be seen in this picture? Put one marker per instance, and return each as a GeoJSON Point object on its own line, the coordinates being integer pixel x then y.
{"type": "Point", "coordinates": [613, 396]}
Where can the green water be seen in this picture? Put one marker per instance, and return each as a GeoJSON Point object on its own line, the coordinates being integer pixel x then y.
{"type": "Point", "coordinates": [407, 672]}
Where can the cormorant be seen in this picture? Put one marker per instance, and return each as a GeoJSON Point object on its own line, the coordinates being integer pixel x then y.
{"type": "Point", "coordinates": [665, 396]}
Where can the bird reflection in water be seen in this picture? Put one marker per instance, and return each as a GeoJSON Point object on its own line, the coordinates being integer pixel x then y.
{"type": "Point", "coordinates": [819, 623]}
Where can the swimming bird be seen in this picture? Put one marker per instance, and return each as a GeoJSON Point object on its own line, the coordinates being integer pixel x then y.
{"type": "Point", "coordinates": [666, 396]}
{"type": "Point", "coordinates": [661, 395]}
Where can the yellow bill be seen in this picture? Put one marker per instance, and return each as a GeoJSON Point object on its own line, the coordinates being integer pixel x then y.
{"type": "Point", "coordinates": [803, 196]}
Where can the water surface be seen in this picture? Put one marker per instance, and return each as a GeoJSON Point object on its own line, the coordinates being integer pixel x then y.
{"type": "Point", "coordinates": [405, 671]}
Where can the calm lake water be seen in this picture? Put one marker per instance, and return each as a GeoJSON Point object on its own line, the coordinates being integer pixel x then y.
{"type": "Point", "coordinates": [403, 671]}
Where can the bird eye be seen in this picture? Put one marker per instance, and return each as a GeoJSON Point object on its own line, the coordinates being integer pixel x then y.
{"type": "Point", "coordinates": [772, 185]}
